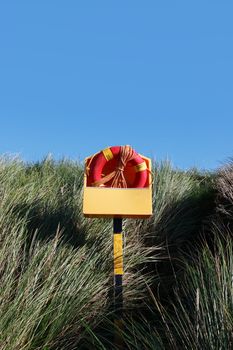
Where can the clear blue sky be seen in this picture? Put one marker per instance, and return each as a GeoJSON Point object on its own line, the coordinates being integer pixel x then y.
{"type": "Point", "coordinates": [76, 76]}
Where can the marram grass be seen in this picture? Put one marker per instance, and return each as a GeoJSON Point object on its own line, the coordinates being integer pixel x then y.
{"type": "Point", "coordinates": [56, 266]}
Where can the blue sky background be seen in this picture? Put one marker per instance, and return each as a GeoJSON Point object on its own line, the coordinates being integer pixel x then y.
{"type": "Point", "coordinates": [77, 76]}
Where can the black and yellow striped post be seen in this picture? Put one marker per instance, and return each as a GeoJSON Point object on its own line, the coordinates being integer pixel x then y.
{"type": "Point", "coordinates": [118, 280]}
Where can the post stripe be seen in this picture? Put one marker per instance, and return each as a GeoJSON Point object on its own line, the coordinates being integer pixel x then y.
{"type": "Point", "coordinates": [118, 295]}
{"type": "Point", "coordinates": [118, 254]}
{"type": "Point", "coordinates": [117, 225]}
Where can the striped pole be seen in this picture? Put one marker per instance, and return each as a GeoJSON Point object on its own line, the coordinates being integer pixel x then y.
{"type": "Point", "coordinates": [118, 274]}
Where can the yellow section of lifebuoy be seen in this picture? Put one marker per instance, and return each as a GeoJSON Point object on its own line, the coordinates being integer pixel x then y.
{"type": "Point", "coordinates": [107, 154]}
{"type": "Point", "coordinates": [140, 167]}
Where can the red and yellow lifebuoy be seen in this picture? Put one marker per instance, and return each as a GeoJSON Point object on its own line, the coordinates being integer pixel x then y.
{"type": "Point", "coordinates": [107, 162]}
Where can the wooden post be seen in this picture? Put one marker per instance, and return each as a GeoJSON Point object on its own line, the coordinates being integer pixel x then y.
{"type": "Point", "coordinates": [118, 279]}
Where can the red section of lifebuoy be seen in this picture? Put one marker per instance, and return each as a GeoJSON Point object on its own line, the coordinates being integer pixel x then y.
{"type": "Point", "coordinates": [100, 161]}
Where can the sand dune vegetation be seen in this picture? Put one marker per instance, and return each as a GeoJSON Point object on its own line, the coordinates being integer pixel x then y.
{"type": "Point", "coordinates": [56, 268]}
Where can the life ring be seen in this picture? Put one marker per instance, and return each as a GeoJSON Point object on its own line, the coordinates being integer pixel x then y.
{"type": "Point", "coordinates": [101, 160]}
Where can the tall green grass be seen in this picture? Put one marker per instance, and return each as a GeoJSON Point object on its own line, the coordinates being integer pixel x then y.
{"type": "Point", "coordinates": [200, 313]}
{"type": "Point", "coordinates": [56, 266]}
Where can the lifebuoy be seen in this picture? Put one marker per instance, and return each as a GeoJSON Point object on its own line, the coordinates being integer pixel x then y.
{"type": "Point", "coordinates": [112, 155]}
